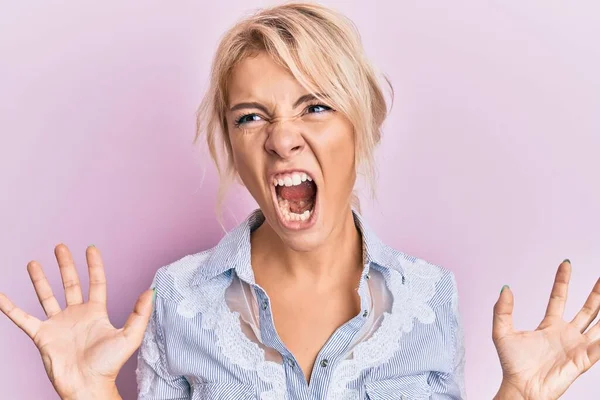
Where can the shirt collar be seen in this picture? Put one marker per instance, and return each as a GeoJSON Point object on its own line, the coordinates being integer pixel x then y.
{"type": "Point", "coordinates": [233, 251]}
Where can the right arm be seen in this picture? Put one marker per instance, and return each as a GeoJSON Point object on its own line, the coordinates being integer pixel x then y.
{"type": "Point", "coordinates": [80, 349]}
{"type": "Point", "coordinates": [109, 392]}
{"type": "Point", "coordinates": [155, 381]}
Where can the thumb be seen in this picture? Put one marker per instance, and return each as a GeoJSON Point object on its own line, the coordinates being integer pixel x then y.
{"type": "Point", "coordinates": [503, 322]}
{"type": "Point", "coordinates": [136, 323]}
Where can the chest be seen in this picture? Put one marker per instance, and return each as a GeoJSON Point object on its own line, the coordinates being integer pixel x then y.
{"type": "Point", "coordinates": [305, 322]}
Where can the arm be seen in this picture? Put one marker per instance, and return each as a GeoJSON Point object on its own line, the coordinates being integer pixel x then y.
{"type": "Point", "coordinates": [108, 392]}
{"type": "Point", "coordinates": [543, 363]}
{"type": "Point", "coordinates": [508, 392]}
{"type": "Point", "coordinates": [452, 385]}
{"type": "Point", "coordinates": [155, 381]}
{"type": "Point", "coordinates": [81, 350]}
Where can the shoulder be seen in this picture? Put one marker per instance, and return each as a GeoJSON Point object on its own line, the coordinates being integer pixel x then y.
{"type": "Point", "coordinates": [176, 280]}
{"type": "Point", "coordinates": [426, 280]}
{"type": "Point", "coordinates": [421, 279]}
{"type": "Point", "coordinates": [424, 308]}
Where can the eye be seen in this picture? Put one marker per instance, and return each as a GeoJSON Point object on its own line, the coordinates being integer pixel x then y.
{"type": "Point", "coordinates": [317, 108]}
{"type": "Point", "coordinates": [244, 119]}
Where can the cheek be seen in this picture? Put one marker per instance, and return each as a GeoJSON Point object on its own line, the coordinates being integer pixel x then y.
{"type": "Point", "coordinates": [246, 160]}
{"type": "Point", "coordinates": [239, 150]}
{"type": "Point", "coordinates": [340, 147]}
{"type": "Point", "coordinates": [335, 151]}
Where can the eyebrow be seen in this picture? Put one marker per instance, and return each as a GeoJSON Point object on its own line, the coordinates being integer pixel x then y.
{"type": "Point", "coordinates": [252, 104]}
{"type": "Point", "coordinates": [261, 107]}
{"type": "Point", "coordinates": [309, 97]}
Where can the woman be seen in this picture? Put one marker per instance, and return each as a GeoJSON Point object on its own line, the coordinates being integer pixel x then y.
{"type": "Point", "coordinates": [302, 300]}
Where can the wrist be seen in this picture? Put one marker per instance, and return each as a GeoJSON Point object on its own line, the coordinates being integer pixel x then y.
{"type": "Point", "coordinates": [104, 392]}
{"type": "Point", "coordinates": [508, 391]}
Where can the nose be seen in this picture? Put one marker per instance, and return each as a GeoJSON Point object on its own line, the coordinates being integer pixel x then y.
{"type": "Point", "coordinates": [284, 140]}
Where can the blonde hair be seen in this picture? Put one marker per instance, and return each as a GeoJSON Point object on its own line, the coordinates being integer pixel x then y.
{"type": "Point", "coordinates": [322, 50]}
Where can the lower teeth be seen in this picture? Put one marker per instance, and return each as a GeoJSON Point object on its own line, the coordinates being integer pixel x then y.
{"type": "Point", "coordinates": [288, 215]}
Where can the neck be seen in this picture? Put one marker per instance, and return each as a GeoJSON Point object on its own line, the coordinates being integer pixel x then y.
{"type": "Point", "coordinates": [339, 256]}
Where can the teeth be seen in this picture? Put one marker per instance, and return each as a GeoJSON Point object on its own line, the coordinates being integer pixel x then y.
{"type": "Point", "coordinates": [296, 179]}
{"type": "Point", "coordinates": [291, 216]}
{"type": "Point", "coordinates": [293, 179]}
{"type": "Point", "coordinates": [305, 215]}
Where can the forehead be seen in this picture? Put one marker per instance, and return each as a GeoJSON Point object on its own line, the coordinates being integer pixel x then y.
{"type": "Point", "coordinates": [260, 78]}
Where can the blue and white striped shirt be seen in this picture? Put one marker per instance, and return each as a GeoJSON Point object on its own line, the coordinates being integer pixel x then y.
{"type": "Point", "coordinates": [211, 334]}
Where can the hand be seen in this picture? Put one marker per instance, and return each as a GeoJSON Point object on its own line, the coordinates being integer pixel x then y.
{"type": "Point", "coordinates": [543, 363]}
{"type": "Point", "coordinates": [80, 349]}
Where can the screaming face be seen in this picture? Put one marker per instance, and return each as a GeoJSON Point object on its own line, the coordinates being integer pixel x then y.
{"type": "Point", "coordinates": [293, 152]}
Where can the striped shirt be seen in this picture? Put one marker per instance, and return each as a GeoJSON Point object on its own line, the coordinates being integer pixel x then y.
{"type": "Point", "coordinates": [211, 335]}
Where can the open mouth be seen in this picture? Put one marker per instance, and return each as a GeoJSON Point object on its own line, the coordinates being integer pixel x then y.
{"type": "Point", "coordinates": [296, 195]}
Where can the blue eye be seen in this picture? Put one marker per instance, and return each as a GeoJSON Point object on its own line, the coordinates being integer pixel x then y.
{"type": "Point", "coordinates": [317, 108]}
{"type": "Point", "coordinates": [246, 118]}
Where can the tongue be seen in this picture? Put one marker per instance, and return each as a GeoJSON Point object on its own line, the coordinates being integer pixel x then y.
{"type": "Point", "coordinates": [305, 191]}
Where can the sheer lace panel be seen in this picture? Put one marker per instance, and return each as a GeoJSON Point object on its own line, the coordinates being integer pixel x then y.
{"type": "Point", "coordinates": [228, 312]}
{"type": "Point", "coordinates": [399, 304]}
{"type": "Point", "coordinates": [230, 309]}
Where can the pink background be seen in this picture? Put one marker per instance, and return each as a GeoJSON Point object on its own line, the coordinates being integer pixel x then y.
{"type": "Point", "coordinates": [489, 164]}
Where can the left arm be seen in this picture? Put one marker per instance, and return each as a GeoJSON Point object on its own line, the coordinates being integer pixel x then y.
{"type": "Point", "coordinates": [542, 364]}
{"type": "Point", "coordinates": [454, 382]}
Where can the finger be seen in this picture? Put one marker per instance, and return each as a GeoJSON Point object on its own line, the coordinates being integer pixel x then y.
{"type": "Point", "coordinates": [97, 276]}
{"type": "Point", "coordinates": [503, 309]}
{"type": "Point", "coordinates": [594, 333]}
{"type": "Point", "coordinates": [30, 325]}
{"type": "Point", "coordinates": [593, 352]}
{"type": "Point", "coordinates": [558, 296]}
{"type": "Point", "coordinates": [69, 275]}
{"type": "Point", "coordinates": [135, 326]}
{"type": "Point", "coordinates": [590, 309]}
{"type": "Point", "coordinates": [43, 289]}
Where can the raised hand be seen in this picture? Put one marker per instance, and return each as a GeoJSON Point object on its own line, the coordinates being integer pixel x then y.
{"type": "Point", "coordinates": [542, 364]}
{"type": "Point", "coordinates": [81, 351]}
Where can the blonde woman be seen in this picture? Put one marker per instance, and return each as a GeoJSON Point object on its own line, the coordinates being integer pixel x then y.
{"type": "Point", "coordinates": [301, 300]}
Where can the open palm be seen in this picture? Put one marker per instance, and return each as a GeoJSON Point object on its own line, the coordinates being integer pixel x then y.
{"type": "Point", "coordinates": [542, 364]}
{"type": "Point", "coordinates": [80, 348]}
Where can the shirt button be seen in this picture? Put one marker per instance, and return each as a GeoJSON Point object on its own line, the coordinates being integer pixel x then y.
{"type": "Point", "coordinates": [365, 313]}
{"type": "Point", "coordinates": [265, 305]}
{"type": "Point", "coordinates": [367, 276]}
{"type": "Point", "coordinates": [291, 362]}
{"type": "Point", "coordinates": [324, 362]}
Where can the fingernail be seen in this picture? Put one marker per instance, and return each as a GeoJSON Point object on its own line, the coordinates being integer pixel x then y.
{"type": "Point", "coordinates": [504, 287]}
{"type": "Point", "coordinates": [567, 260]}
{"type": "Point", "coordinates": [91, 245]}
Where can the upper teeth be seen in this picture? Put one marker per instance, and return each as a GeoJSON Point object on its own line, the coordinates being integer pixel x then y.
{"type": "Point", "coordinates": [292, 179]}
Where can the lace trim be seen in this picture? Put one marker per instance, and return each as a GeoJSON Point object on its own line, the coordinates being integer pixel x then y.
{"type": "Point", "coordinates": [231, 340]}
{"type": "Point", "coordinates": [459, 363]}
{"type": "Point", "coordinates": [410, 301]}
{"type": "Point", "coordinates": [148, 358]}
